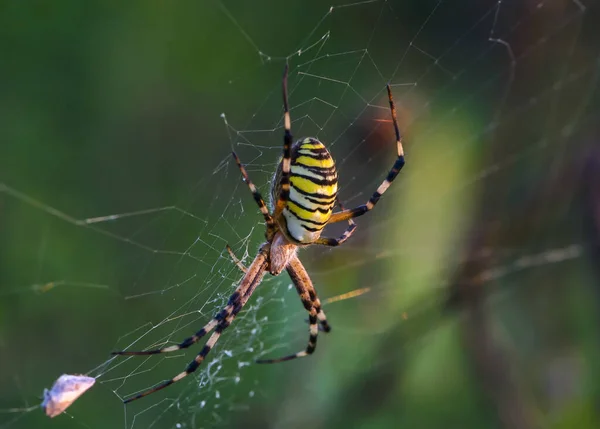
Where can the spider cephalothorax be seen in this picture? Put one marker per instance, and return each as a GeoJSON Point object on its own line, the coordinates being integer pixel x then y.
{"type": "Point", "coordinates": [304, 193]}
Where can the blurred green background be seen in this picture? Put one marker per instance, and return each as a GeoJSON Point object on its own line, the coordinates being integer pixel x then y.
{"type": "Point", "coordinates": [481, 260]}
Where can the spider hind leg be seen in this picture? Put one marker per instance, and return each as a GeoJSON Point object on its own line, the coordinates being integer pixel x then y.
{"type": "Point", "coordinates": [312, 341]}
{"type": "Point", "coordinates": [311, 303]}
{"type": "Point", "coordinates": [345, 236]}
{"type": "Point", "coordinates": [185, 343]}
{"type": "Point", "coordinates": [252, 278]}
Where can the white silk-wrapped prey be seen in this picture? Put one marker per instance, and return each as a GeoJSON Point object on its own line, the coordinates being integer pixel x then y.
{"type": "Point", "coordinates": [64, 392]}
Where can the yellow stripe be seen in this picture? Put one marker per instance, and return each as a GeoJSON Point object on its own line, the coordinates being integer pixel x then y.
{"type": "Point", "coordinates": [307, 144]}
{"type": "Point", "coordinates": [306, 215]}
{"type": "Point", "coordinates": [312, 162]}
{"type": "Point", "coordinates": [310, 187]}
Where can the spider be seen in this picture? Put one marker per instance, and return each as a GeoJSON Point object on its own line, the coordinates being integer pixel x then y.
{"type": "Point", "coordinates": [304, 192]}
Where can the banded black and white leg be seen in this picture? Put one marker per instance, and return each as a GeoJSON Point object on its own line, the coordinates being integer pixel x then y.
{"type": "Point", "coordinates": [307, 293]}
{"type": "Point", "coordinates": [326, 241]}
{"type": "Point", "coordinates": [255, 192]}
{"type": "Point", "coordinates": [192, 366]}
{"type": "Point", "coordinates": [221, 321]}
{"type": "Point", "coordinates": [286, 160]}
{"type": "Point", "coordinates": [364, 208]}
{"type": "Point", "coordinates": [212, 340]}
{"type": "Point", "coordinates": [321, 317]}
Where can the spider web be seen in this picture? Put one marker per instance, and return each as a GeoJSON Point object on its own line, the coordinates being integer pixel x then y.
{"type": "Point", "coordinates": [114, 234]}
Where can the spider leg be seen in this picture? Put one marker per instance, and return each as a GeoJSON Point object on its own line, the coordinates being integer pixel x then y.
{"type": "Point", "coordinates": [234, 299]}
{"type": "Point", "coordinates": [323, 324]}
{"type": "Point", "coordinates": [362, 209]}
{"type": "Point", "coordinates": [304, 288]}
{"type": "Point", "coordinates": [345, 236]}
{"type": "Point", "coordinates": [251, 280]}
{"type": "Point", "coordinates": [312, 341]}
{"type": "Point", "coordinates": [235, 259]}
{"type": "Point", "coordinates": [192, 366]}
{"type": "Point", "coordinates": [188, 341]}
{"type": "Point", "coordinates": [255, 192]}
{"type": "Point", "coordinates": [331, 242]}
{"type": "Point", "coordinates": [286, 160]}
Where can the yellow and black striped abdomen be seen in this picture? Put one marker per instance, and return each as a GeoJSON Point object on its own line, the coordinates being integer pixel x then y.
{"type": "Point", "coordinates": [313, 190]}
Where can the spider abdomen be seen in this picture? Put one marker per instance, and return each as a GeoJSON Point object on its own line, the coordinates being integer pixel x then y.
{"type": "Point", "coordinates": [313, 190]}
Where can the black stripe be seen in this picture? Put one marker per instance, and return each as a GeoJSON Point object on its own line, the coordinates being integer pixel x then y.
{"type": "Point", "coordinates": [322, 210]}
{"type": "Point", "coordinates": [316, 155]}
{"type": "Point", "coordinates": [375, 197]}
{"type": "Point", "coordinates": [327, 198]}
{"type": "Point", "coordinates": [223, 325]}
{"type": "Point", "coordinates": [193, 366]}
{"type": "Point", "coordinates": [284, 194]}
{"type": "Point", "coordinates": [221, 315]}
{"type": "Point", "coordinates": [396, 169]}
{"type": "Point", "coordinates": [312, 149]}
{"type": "Point", "coordinates": [322, 203]}
{"type": "Point", "coordinates": [236, 310]}
{"type": "Point", "coordinates": [323, 182]}
{"type": "Point", "coordinates": [321, 224]}
{"type": "Point", "coordinates": [325, 171]}
{"type": "Point", "coordinates": [235, 296]}
{"type": "Point", "coordinates": [332, 242]}
{"type": "Point", "coordinates": [204, 352]}
{"type": "Point", "coordinates": [359, 211]}
{"type": "Point", "coordinates": [310, 229]}
{"type": "Point", "coordinates": [258, 199]}
{"type": "Point", "coordinates": [192, 340]}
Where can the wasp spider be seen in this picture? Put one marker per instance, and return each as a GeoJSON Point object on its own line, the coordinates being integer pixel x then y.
{"type": "Point", "coordinates": [304, 192]}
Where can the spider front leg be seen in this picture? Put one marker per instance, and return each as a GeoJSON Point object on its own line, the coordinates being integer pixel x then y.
{"type": "Point", "coordinates": [286, 160]}
{"type": "Point", "coordinates": [361, 210]}
{"type": "Point", "coordinates": [307, 293]}
{"type": "Point", "coordinates": [255, 192]}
